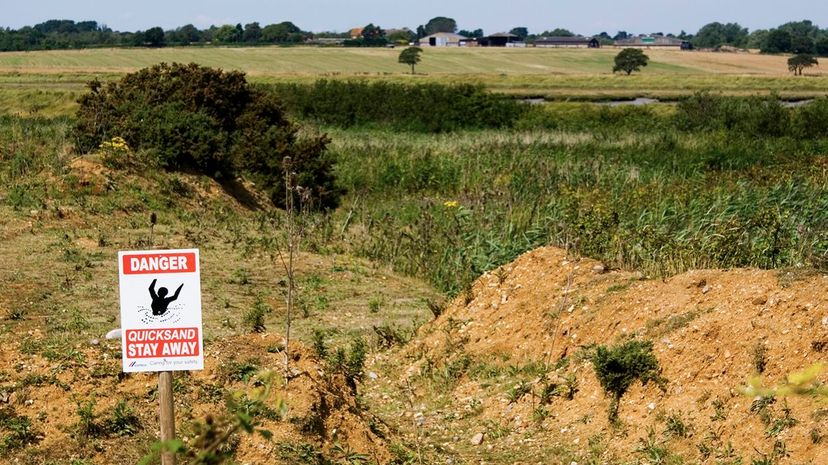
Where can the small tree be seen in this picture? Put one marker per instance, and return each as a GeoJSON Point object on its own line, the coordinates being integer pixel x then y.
{"type": "Point", "coordinates": [619, 366]}
{"type": "Point", "coordinates": [797, 63]}
{"type": "Point", "coordinates": [410, 56]}
{"type": "Point", "coordinates": [629, 60]}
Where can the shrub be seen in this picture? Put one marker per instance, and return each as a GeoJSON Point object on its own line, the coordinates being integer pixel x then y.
{"type": "Point", "coordinates": [189, 117]}
{"type": "Point", "coordinates": [619, 366]}
{"type": "Point", "coordinates": [423, 107]}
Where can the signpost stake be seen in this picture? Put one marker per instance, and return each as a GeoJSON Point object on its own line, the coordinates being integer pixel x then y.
{"type": "Point", "coordinates": [165, 398]}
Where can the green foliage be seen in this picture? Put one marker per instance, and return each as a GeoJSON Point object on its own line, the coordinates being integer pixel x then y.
{"type": "Point", "coordinates": [424, 107]}
{"type": "Point", "coordinates": [351, 363]}
{"type": "Point", "coordinates": [16, 430]}
{"type": "Point", "coordinates": [798, 63]}
{"type": "Point", "coordinates": [440, 24]}
{"type": "Point", "coordinates": [618, 367]}
{"type": "Point", "coordinates": [191, 117]}
{"type": "Point", "coordinates": [410, 56]}
{"type": "Point", "coordinates": [124, 421]}
{"type": "Point", "coordinates": [255, 317]}
{"type": "Point", "coordinates": [629, 60]}
{"type": "Point", "coordinates": [717, 34]}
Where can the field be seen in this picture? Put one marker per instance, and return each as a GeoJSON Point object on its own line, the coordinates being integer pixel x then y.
{"type": "Point", "coordinates": [51, 80]}
{"type": "Point", "coordinates": [482, 267]}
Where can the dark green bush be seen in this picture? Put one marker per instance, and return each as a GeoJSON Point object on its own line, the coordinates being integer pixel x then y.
{"type": "Point", "coordinates": [423, 107]}
{"type": "Point", "coordinates": [618, 367]}
{"type": "Point", "coordinates": [756, 115]}
{"type": "Point", "coordinates": [810, 121]}
{"type": "Point", "coordinates": [189, 117]}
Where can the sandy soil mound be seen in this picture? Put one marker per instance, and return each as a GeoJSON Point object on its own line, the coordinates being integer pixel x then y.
{"type": "Point", "coordinates": [320, 414]}
{"type": "Point", "coordinates": [710, 329]}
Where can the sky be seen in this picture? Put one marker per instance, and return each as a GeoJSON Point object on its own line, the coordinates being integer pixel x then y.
{"type": "Point", "coordinates": [580, 16]}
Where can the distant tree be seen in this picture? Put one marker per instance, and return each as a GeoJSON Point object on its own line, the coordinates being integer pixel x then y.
{"type": "Point", "coordinates": [252, 32]}
{"type": "Point", "coordinates": [777, 41]}
{"type": "Point", "coordinates": [421, 31]}
{"type": "Point", "coordinates": [802, 32]}
{"type": "Point", "coordinates": [475, 34]}
{"type": "Point", "coordinates": [757, 39]}
{"type": "Point", "coordinates": [718, 34]}
{"type": "Point", "coordinates": [402, 36]}
{"type": "Point", "coordinates": [154, 37]}
{"type": "Point", "coordinates": [802, 45]}
{"type": "Point", "coordinates": [621, 35]}
{"type": "Point", "coordinates": [440, 24]}
{"type": "Point", "coordinates": [371, 32]}
{"type": "Point", "coordinates": [227, 34]}
{"type": "Point", "coordinates": [521, 32]}
{"type": "Point", "coordinates": [797, 63]}
{"type": "Point", "coordinates": [410, 56]}
{"type": "Point", "coordinates": [629, 60]}
{"type": "Point", "coordinates": [188, 34]}
{"type": "Point", "coordinates": [604, 38]}
{"type": "Point", "coordinates": [821, 46]}
{"type": "Point", "coordinates": [559, 32]}
{"type": "Point", "coordinates": [280, 33]}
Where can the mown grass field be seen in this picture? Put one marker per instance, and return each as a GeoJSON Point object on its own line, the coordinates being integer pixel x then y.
{"type": "Point", "coordinates": [48, 82]}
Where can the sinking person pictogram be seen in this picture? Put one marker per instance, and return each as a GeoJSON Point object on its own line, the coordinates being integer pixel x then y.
{"type": "Point", "coordinates": [160, 301]}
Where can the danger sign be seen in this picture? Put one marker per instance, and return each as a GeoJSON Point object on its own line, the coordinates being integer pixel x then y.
{"type": "Point", "coordinates": [161, 310]}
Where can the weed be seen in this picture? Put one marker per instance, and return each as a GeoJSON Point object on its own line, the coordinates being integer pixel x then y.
{"type": "Point", "coordinates": [816, 435]}
{"type": "Point", "coordinates": [516, 392]}
{"type": "Point", "coordinates": [389, 335]}
{"type": "Point", "coordinates": [19, 431]}
{"type": "Point", "coordinates": [618, 367]}
{"type": "Point", "coordinates": [350, 364]}
{"type": "Point", "coordinates": [676, 427]}
{"type": "Point", "coordinates": [87, 425]}
{"type": "Point", "coordinates": [375, 304]}
{"type": "Point", "coordinates": [318, 343]}
{"type": "Point", "coordinates": [760, 357]}
{"type": "Point", "coordinates": [240, 371]}
{"type": "Point", "coordinates": [123, 422]}
{"type": "Point", "coordinates": [240, 276]}
{"type": "Point", "coordinates": [719, 410]}
{"type": "Point", "coordinates": [653, 450]}
{"type": "Point", "coordinates": [255, 317]}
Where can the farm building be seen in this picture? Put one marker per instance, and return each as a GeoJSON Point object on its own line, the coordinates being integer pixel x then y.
{"type": "Point", "coordinates": [501, 39]}
{"type": "Point", "coordinates": [567, 42]}
{"type": "Point", "coordinates": [654, 42]}
{"type": "Point", "coordinates": [355, 33]}
{"type": "Point", "coordinates": [442, 39]}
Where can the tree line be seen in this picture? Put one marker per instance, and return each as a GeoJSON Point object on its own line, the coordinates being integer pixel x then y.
{"type": "Point", "coordinates": [798, 37]}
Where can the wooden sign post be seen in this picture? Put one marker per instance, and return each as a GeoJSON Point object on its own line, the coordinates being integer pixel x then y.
{"type": "Point", "coordinates": [167, 413]}
{"type": "Point", "coordinates": [161, 328]}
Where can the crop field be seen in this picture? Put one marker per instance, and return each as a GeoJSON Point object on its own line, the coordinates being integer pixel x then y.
{"type": "Point", "coordinates": [50, 81]}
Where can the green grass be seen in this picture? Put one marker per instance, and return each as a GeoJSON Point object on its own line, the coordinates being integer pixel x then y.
{"type": "Point", "coordinates": [652, 199]}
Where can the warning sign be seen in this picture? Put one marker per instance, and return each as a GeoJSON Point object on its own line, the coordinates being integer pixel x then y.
{"type": "Point", "coordinates": [161, 310]}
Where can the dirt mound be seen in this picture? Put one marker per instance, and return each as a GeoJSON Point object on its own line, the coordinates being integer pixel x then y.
{"type": "Point", "coordinates": [315, 415]}
{"type": "Point", "coordinates": [533, 323]}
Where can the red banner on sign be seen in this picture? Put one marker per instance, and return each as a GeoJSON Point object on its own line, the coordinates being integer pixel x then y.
{"type": "Point", "coordinates": [159, 263]}
{"type": "Point", "coordinates": [162, 342]}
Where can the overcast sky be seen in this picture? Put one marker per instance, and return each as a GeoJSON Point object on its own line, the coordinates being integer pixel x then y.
{"type": "Point", "coordinates": [581, 16]}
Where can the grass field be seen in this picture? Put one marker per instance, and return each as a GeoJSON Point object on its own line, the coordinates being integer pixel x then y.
{"type": "Point", "coordinates": [48, 82]}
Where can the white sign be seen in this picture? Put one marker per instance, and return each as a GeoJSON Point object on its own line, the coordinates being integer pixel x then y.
{"type": "Point", "coordinates": [161, 310]}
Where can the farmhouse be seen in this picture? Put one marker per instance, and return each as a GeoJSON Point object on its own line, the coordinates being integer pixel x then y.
{"type": "Point", "coordinates": [654, 42]}
{"type": "Point", "coordinates": [501, 39]}
{"type": "Point", "coordinates": [442, 39]}
{"type": "Point", "coordinates": [567, 42]}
